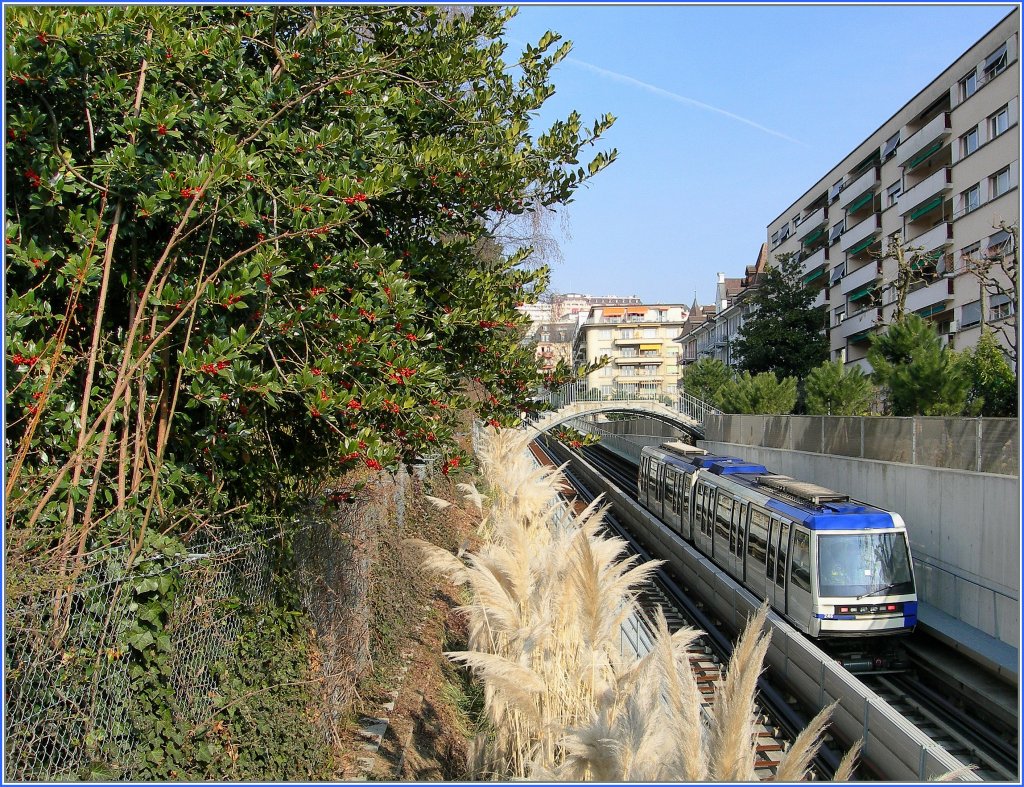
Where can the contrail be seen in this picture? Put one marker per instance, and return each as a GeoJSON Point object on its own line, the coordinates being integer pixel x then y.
{"type": "Point", "coordinates": [677, 98]}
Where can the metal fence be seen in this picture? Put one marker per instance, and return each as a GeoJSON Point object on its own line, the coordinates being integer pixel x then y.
{"type": "Point", "coordinates": [986, 445]}
{"type": "Point", "coordinates": [67, 653]}
{"type": "Point", "coordinates": [69, 710]}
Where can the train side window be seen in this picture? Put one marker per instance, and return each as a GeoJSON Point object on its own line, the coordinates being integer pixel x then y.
{"type": "Point", "coordinates": [780, 567]}
{"type": "Point", "coordinates": [644, 463]}
{"type": "Point", "coordinates": [686, 492]}
{"type": "Point", "coordinates": [698, 507]}
{"type": "Point", "coordinates": [800, 571]}
{"type": "Point", "coordinates": [670, 489]}
{"type": "Point", "coordinates": [757, 545]}
{"type": "Point", "coordinates": [659, 484]}
{"type": "Point", "coordinates": [723, 521]}
{"type": "Point", "coordinates": [773, 529]}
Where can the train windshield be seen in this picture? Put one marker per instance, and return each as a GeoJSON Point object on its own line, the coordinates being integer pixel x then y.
{"type": "Point", "coordinates": [854, 565]}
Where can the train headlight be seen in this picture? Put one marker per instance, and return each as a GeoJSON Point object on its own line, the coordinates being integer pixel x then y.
{"type": "Point", "coordinates": [869, 609]}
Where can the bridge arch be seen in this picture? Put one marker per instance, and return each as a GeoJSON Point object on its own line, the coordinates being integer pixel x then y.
{"type": "Point", "coordinates": [649, 408]}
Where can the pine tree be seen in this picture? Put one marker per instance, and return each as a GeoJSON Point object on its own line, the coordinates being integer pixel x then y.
{"type": "Point", "coordinates": [919, 375]}
{"type": "Point", "coordinates": [993, 387]}
{"type": "Point", "coordinates": [705, 378]}
{"type": "Point", "coordinates": [785, 334]}
{"type": "Point", "coordinates": [759, 394]}
{"type": "Point", "coordinates": [832, 389]}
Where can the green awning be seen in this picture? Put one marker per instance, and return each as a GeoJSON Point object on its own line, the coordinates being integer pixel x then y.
{"type": "Point", "coordinates": [924, 155]}
{"type": "Point", "coordinates": [860, 202]}
{"type": "Point", "coordinates": [812, 276]}
{"type": "Point", "coordinates": [813, 236]}
{"type": "Point", "coordinates": [860, 336]}
{"type": "Point", "coordinates": [861, 246]}
{"type": "Point", "coordinates": [926, 259]}
{"type": "Point", "coordinates": [928, 311]}
{"type": "Point", "coordinates": [865, 290]}
{"type": "Point", "coordinates": [928, 207]}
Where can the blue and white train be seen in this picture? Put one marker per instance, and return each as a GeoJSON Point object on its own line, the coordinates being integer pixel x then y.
{"type": "Point", "coordinates": [831, 566]}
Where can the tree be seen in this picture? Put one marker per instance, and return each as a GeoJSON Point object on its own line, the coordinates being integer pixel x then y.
{"type": "Point", "coordinates": [833, 389]}
{"type": "Point", "coordinates": [919, 375]}
{"type": "Point", "coordinates": [993, 386]}
{"type": "Point", "coordinates": [785, 334]}
{"type": "Point", "coordinates": [910, 266]}
{"type": "Point", "coordinates": [998, 273]}
{"type": "Point", "coordinates": [243, 251]}
{"type": "Point", "coordinates": [704, 378]}
{"type": "Point", "coordinates": [759, 394]}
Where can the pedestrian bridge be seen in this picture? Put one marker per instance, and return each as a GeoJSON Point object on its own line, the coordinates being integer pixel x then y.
{"type": "Point", "coordinates": [576, 400]}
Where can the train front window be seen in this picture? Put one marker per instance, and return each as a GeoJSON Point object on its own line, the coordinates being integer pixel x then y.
{"type": "Point", "coordinates": [852, 565]}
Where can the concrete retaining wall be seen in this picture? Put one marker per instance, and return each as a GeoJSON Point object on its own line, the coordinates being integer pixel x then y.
{"type": "Point", "coordinates": [964, 527]}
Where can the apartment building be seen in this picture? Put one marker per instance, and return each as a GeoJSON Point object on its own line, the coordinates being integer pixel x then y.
{"type": "Point", "coordinates": [638, 339]}
{"type": "Point", "coordinates": [569, 307]}
{"type": "Point", "coordinates": [943, 173]}
{"type": "Point", "coordinates": [712, 336]}
{"type": "Point", "coordinates": [554, 343]}
{"type": "Point", "coordinates": [690, 338]}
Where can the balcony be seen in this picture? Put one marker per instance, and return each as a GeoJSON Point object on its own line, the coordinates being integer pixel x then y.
{"type": "Point", "coordinates": [627, 340]}
{"type": "Point", "coordinates": [812, 222]}
{"type": "Point", "coordinates": [860, 277]}
{"type": "Point", "coordinates": [938, 237]}
{"type": "Point", "coordinates": [815, 261]}
{"type": "Point", "coordinates": [924, 143]}
{"type": "Point", "coordinates": [866, 182]}
{"type": "Point", "coordinates": [921, 199]}
{"type": "Point", "coordinates": [858, 233]}
{"type": "Point", "coordinates": [927, 298]}
{"type": "Point", "coordinates": [861, 321]}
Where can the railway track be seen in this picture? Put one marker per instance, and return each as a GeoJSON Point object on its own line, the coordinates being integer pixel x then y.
{"type": "Point", "coordinates": [990, 749]}
{"type": "Point", "coordinates": [778, 720]}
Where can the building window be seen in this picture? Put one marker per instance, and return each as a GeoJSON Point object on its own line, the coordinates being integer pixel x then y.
{"type": "Point", "coordinates": [999, 183]}
{"type": "Point", "coordinates": [836, 232]}
{"type": "Point", "coordinates": [604, 333]}
{"type": "Point", "coordinates": [999, 122]}
{"type": "Point", "coordinates": [968, 85]}
{"type": "Point", "coordinates": [892, 194]}
{"type": "Point", "coordinates": [890, 146]}
{"type": "Point", "coordinates": [833, 193]}
{"type": "Point", "coordinates": [995, 64]}
{"type": "Point", "coordinates": [775, 239]}
{"type": "Point", "coordinates": [1000, 307]}
{"type": "Point", "coordinates": [971, 199]}
{"type": "Point", "coordinates": [969, 142]}
{"type": "Point", "coordinates": [970, 314]}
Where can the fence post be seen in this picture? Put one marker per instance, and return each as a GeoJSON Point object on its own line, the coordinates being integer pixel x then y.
{"type": "Point", "coordinates": [978, 444]}
{"type": "Point", "coordinates": [822, 434]}
{"type": "Point", "coordinates": [862, 437]}
{"type": "Point", "coordinates": [913, 440]}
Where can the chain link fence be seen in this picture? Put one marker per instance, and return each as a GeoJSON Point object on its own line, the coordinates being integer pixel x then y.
{"type": "Point", "coordinates": [71, 635]}
{"type": "Point", "coordinates": [984, 445]}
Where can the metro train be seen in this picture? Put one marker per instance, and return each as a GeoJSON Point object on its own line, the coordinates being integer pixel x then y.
{"type": "Point", "coordinates": [831, 566]}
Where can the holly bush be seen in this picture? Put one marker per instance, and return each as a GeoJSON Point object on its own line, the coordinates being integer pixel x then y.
{"type": "Point", "coordinates": [251, 246]}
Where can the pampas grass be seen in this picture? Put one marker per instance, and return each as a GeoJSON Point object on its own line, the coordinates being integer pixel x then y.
{"type": "Point", "coordinates": [548, 594]}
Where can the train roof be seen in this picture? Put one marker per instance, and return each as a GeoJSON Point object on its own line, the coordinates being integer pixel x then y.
{"type": "Point", "coordinates": [816, 507]}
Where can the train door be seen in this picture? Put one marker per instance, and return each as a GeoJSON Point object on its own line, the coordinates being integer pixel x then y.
{"type": "Point", "coordinates": [781, 556]}
{"type": "Point", "coordinates": [799, 607]}
{"type": "Point", "coordinates": [722, 530]}
{"type": "Point", "coordinates": [686, 506]}
{"type": "Point", "coordinates": [645, 463]}
{"type": "Point", "coordinates": [659, 491]}
{"type": "Point", "coordinates": [703, 515]}
{"type": "Point", "coordinates": [671, 517]}
{"type": "Point", "coordinates": [757, 552]}
{"type": "Point", "coordinates": [738, 540]}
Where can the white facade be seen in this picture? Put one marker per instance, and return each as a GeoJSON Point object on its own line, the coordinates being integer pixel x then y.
{"type": "Point", "coordinates": [943, 172]}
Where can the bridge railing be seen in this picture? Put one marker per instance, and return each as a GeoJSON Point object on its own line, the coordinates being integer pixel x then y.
{"type": "Point", "coordinates": [684, 403]}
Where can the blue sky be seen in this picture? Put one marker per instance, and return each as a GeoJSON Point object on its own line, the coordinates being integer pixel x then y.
{"type": "Point", "coordinates": [726, 115]}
